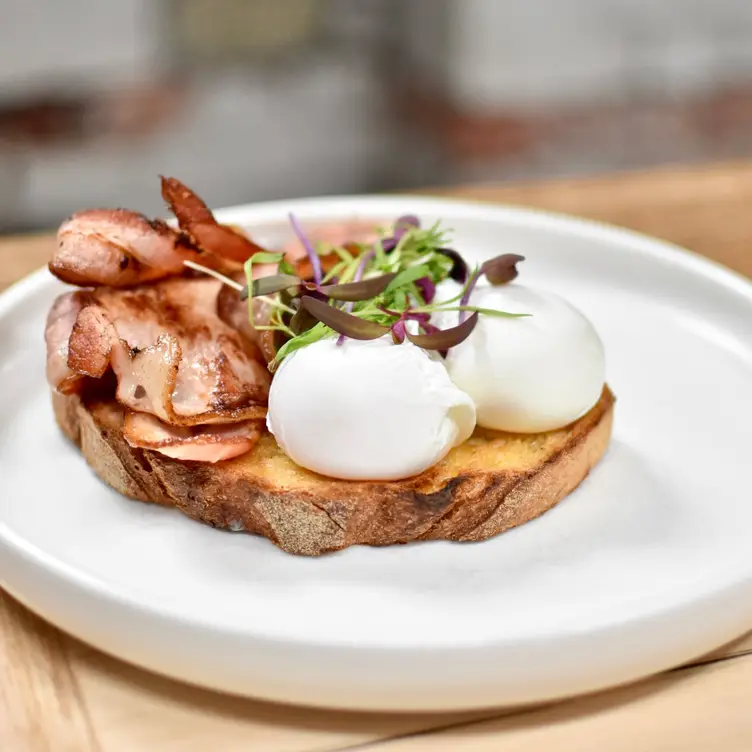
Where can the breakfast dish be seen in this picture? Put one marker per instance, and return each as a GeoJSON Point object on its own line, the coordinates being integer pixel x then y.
{"type": "Point", "coordinates": [371, 389]}
{"type": "Point", "coordinates": [644, 567]}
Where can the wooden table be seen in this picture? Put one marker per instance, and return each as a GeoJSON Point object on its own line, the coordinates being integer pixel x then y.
{"type": "Point", "coordinates": [58, 695]}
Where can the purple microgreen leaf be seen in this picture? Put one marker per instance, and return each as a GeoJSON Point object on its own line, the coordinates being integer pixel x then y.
{"type": "Point", "coordinates": [428, 327]}
{"type": "Point", "coordinates": [313, 257]}
{"type": "Point", "coordinates": [427, 288]}
{"type": "Point", "coordinates": [312, 291]}
{"type": "Point", "coordinates": [360, 271]}
{"type": "Point", "coordinates": [302, 321]}
{"type": "Point", "coordinates": [458, 272]}
{"type": "Point", "coordinates": [501, 269]}
{"type": "Point", "coordinates": [342, 322]}
{"type": "Point", "coordinates": [406, 221]}
{"type": "Point", "coordinates": [359, 290]}
{"type": "Point", "coordinates": [389, 244]}
{"type": "Point", "coordinates": [271, 284]}
{"type": "Point", "coordinates": [398, 332]}
{"type": "Point", "coordinates": [445, 338]}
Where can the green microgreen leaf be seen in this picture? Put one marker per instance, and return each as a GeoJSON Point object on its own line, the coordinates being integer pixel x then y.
{"type": "Point", "coordinates": [264, 257]}
{"type": "Point", "coordinates": [407, 277]}
{"type": "Point", "coordinates": [316, 333]}
{"type": "Point", "coordinates": [285, 267]}
{"type": "Point", "coordinates": [484, 311]}
{"type": "Point", "coordinates": [335, 271]}
{"type": "Point", "coordinates": [343, 253]}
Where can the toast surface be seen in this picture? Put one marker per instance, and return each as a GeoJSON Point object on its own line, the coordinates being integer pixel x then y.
{"type": "Point", "coordinates": [489, 484]}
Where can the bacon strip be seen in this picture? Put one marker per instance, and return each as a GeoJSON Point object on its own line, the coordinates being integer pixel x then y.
{"type": "Point", "coordinates": [198, 223]}
{"type": "Point", "coordinates": [91, 342]}
{"type": "Point", "coordinates": [172, 356]}
{"type": "Point", "coordinates": [198, 443]}
{"type": "Point", "coordinates": [146, 379]}
{"type": "Point", "coordinates": [61, 320]}
{"type": "Point", "coordinates": [118, 248]}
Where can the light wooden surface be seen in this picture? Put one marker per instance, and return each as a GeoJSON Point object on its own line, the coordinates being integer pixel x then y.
{"type": "Point", "coordinates": [58, 695]}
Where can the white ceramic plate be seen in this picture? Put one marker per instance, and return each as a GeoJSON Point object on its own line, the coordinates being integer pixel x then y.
{"type": "Point", "coordinates": [647, 565]}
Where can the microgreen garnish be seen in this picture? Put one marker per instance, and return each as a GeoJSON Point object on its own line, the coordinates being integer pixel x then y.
{"type": "Point", "coordinates": [407, 277]}
{"type": "Point", "coordinates": [498, 271]}
{"type": "Point", "coordinates": [364, 289]}
{"type": "Point", "coordinates": [265, 257]}
{"type": "Point", "coordinates": [368, 291]}
{"type": "Point", "coordinates": [405, 222]}
{"type": "Point", "coordinates": [427, 289]}
{"type": "Point", "coordinates": [458, 272]}
{"type": "Point", "coordinates": [302, 321]}
{"type": "Point", "coordinates": [501, 269]}
{"type": "Point", "coordinates": [343, 322]}
{"type": "Point", "coordinates": [444, 339]}
{"type": "Point", "coordinates": [274, 283]}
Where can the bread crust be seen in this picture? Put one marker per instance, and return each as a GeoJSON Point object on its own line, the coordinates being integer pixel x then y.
{"type": "Point", "coordinates": [491, 483]}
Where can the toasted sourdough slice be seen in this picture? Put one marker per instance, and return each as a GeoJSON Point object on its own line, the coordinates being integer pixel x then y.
{"type": "Point", "coordinates": [492, 482]}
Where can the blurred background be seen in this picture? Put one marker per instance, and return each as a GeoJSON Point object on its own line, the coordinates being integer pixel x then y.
{"type": "Point", "coordinates": [247, 100]}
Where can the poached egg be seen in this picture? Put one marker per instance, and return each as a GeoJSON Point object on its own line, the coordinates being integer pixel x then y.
{"type": "Point", "coordinates": [367, 410]}
{"type": "Point", "coordinates": [531, 374]}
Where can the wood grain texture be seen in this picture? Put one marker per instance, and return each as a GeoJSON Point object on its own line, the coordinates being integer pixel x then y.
{"type": "Point", "coordinates": [23, 254]}
{"type": "Point", "coordinates": [134, 710]}
{"type": "Point", "coordinates": [689, 710]}
{"type": "Point", "coordinates": [56, 694]}
{"type": "Point", "coordinates": [40, 703]}
{"type": "Point", "coordinates": [705, 209]}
